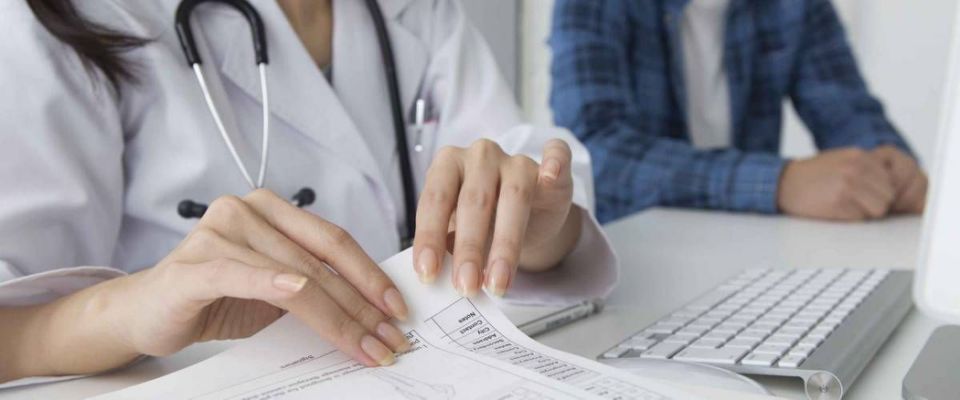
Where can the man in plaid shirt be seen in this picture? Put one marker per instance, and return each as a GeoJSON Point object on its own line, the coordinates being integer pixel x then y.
{"type": "Point", "coordinates": [705, 133]}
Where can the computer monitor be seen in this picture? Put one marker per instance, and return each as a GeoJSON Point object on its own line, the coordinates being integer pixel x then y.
{"type": "Point", "coordinates": [936, 288]}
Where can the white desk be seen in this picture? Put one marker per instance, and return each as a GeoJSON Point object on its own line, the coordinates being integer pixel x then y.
{"type": "Point", "coordinates": [668, 258]}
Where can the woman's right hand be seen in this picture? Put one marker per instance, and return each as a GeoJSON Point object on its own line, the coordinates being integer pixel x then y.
{"type": "Point", "coordinates": [247, 262]}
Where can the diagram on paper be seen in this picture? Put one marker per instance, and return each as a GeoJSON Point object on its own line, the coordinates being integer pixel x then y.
{"type": "Point", "coordinates": [413, 389]}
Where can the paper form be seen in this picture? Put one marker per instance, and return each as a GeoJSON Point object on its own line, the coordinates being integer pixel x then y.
{"type": "Point", "coordinates": [462, 349]}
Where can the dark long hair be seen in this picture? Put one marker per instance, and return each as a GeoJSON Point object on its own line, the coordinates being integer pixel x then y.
{"type": "Point", "coordinates": [99, 46]}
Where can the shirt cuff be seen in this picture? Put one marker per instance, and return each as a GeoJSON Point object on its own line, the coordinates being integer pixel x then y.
{"type": "Point", "coordinates": [51, 285]}
{"type": "Point", "coordinates": [753, 186]}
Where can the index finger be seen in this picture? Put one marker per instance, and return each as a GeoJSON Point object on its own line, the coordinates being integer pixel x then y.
{"type": "Point", "coordinates": [333, 245]}
{"type": "Point", "coordinates": [434, 211]}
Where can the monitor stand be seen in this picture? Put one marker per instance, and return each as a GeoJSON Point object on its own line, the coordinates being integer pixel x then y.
{"type": "Point", "coordinates": [933, 375]}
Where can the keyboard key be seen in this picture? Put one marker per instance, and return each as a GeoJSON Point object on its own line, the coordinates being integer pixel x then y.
{"type": "Point", "coordinates": [756, 333]}
{"type": "Point", "coordinates": [708, 343]}
{"type": "Point", "coordinates": [805, 319]}
{"type": "Point", "coordinates": [664, 329]}
{"type": "Point", "coordinates": [682, 333]}
{"type": "Point", "coordinates": [721, 336]}
{"type": "Point", "coordinates": [616, 352]}
{"type": "Point", "coordinates": [820, 333]}
{"type": "Point", "coordinates": [639, 344]}
{"type": "Point", "coordinates": [662, 351]}
{"type": "Point", "coordinates": [791, 361]}
{"type": "Point", "coordinates": [725, 355]}
{"type": "Point", "coordinates": [728, 328]}
{"type": "Point", "coordinates": [706, 326]}
{"type": "Point", "coordinates": [791, 330]}
{"type": "Point", "coordinates": [719, 315]}
{"type": "Point", "coordinates": [760, 359]}
{"type": "Point", "coordinates": [814, 315]}
{"type": "Point", "coordinates": [747, 343]}
{"type": "Point", "coordinates": [733, 324]}
{"type": "Point", "coordinates": [828, 324]}
{"type": "Point", "coordinates": [708, 320]}
{"type": "Point", "coordinates": [693, 330]}
{"type": "Point", "coordinates": [768, 323]}
{"type": "Point", "coordinates": [803, 351]}
{"type": "Point", "coordinates": [744, 318]}
{"type": "Point", "coordinates": [684, 340]}
{"type": "Point", "coordinates": [783, 339]}
{"type": "Point", "coordinates": [727, 306]}
{"type": "Point", "coordinates": [810, 341]}
{"type": "Point", "coordinates": [777, 349]}
{"type": "Point", "coordinates": [677, 319]}
{"type": "Point", "coordinates": [800, 323]}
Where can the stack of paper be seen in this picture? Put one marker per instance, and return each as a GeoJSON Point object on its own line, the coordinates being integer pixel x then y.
{"type": "Point", "coordinates": [462, 349]}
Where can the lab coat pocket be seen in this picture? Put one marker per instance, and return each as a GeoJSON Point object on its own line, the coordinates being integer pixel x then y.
{"type": "Point", "coordinates": [422, 141]}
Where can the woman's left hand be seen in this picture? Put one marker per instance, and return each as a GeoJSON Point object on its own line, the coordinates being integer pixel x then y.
{"type": "Point", "coordinates": [505, 212]}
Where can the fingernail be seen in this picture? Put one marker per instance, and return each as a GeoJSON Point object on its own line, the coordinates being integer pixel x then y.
{"type": "Point", "coordinates": [551, 169]}
{"type": "Point", "coordinates": [498, 278]}
{"type": "Point", "coordinates": [427, 266]}
{"type": "Point", "coordinates": [289, 282]}
{"type": "Point", "coordinates": [377, 351]}
{"type": "Point", "coordinates": [467, 279]}
{"type": "Point", "coordinates": [395, 303]}
{"type": "Point", "coordinates": [397, 340]}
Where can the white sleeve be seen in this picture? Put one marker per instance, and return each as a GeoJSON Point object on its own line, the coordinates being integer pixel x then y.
{"type": "Point", "coordinates": [61, 162]}
{"type": "Point", "coordinates": [473, 101]}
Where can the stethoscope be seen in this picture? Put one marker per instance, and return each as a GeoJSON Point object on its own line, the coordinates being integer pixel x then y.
{"type": "Point", "coordinates": [306, 195]}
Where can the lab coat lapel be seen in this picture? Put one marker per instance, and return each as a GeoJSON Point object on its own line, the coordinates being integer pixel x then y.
{"type": "Point", "coordinates": [358, 71]}
{"type": "Point", "coordinates": [299, 93]}
{"type": "Point", "coordinates": [410, 53]}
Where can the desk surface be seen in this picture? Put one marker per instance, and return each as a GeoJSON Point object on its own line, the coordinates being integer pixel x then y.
{"type": "Point", "coordinates": [669, 257]}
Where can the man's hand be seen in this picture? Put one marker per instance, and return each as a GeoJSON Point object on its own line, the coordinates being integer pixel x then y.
{"type": "Point", "coordinates": [909, 181]}
{"type": "Point", "coordinates": [846, 184]}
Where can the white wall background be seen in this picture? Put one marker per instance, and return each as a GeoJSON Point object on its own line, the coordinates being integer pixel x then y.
{"type": "Point", "coordinates": [901, 46]}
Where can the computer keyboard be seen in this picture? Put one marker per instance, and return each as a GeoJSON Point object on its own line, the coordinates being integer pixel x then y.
{"type": "Point", "coordinates": [822, 325]}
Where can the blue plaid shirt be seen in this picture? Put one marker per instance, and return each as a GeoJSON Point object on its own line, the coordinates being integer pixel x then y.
{"type": "Point", "coordinates": [618, 84]}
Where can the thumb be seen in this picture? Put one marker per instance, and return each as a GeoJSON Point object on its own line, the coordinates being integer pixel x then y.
{"type": "Point", "coordinates": [204, 283]}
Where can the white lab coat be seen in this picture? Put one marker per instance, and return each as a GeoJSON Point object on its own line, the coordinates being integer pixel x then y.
{"type": "Point", "coordinates": [92, 178]}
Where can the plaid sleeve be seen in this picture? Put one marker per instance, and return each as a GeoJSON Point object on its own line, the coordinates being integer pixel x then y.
{"type": "Point", "coordinates": [828, 91]}
{"type": "Point", "coordinates": [635, 168]}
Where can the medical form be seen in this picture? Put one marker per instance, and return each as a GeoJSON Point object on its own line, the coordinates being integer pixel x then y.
{"type": "Point", "coordinates": [462, 348]}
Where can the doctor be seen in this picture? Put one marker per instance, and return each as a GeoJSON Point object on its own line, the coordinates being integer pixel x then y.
{"type": "Point", "coordinates": [103, 135]}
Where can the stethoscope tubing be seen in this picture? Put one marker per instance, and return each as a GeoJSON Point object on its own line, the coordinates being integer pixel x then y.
{"type": "Point", "coordinates": [184, 31]}
{"type": "Point", "coordinates": [218, 121]}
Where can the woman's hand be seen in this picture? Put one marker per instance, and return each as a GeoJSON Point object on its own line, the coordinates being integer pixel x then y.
{"type": "Point", "coordinates": [505, 211]}
{"type": "Point", "coordinates": [247, 262]}
{"type": "Point", "coordinates": [250, 259]}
